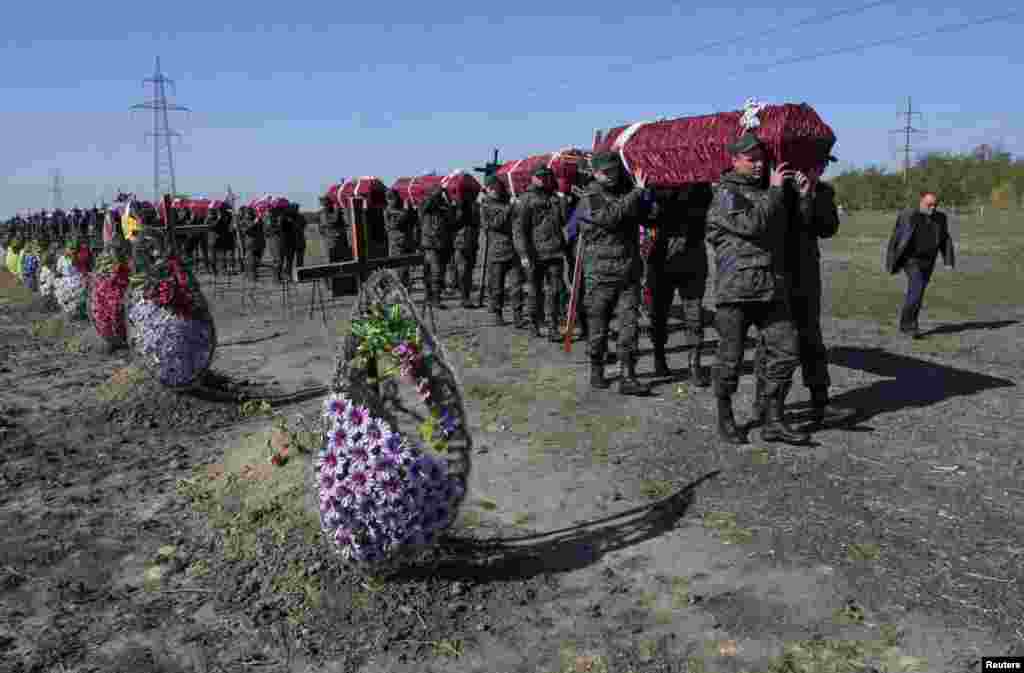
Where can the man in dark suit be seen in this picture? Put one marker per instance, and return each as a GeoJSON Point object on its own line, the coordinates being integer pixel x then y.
{"type": "Point", "coordinates": [920, 235]}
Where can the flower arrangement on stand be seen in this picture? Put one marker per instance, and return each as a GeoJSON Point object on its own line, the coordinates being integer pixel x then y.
{"type": "Point", "coordinates": [13, 258]}
{"type": "Point", "coordinates": [109, 286]}
{"type": "Point", "coordinates": [383, 495]}
{"type": "Point", "coordinates": [169, 324]}
{"type": "Point", "coordinates": [71, 288]}
{"type": "Point", "coordinates": [30, 264]}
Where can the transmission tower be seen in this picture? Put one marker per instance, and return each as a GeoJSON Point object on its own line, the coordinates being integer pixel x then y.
{"type": "Point", "coordinates": [163, 158]}
{"type": "Point", "coordinates": [57, 190]}
{"type": "Point", "coordinates": [908, 130]}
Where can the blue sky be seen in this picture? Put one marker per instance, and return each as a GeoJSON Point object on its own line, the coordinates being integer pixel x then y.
{"type": "Point", "coordinates": [393, 89]}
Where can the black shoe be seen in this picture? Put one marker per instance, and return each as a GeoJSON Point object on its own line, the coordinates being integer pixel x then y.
{"type": "Point", "coordinates": [499, 319]}
{"type": "Point", "coordinates": [661, 365]}
{"type": "Point", "coordinates": [912, 332]}
{"type": "Point", "coordinates": [467, 304]}
{"type": "Point", "coordinates": [597, 379]}
{"type": "Point", "coordinates": [555, 334]}
{"type": "Point", "coordinates": [775, 427]}
{"type": "Point", "coordinates": [822, 411]}
{"type": "Point", "coordinates": [629, 385]}
{"type": "Point", "coordinates": [727, 430]}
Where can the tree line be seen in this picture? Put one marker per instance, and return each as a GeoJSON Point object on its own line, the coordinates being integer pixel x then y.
{"type": "Point", "coordinates": [983, 177]}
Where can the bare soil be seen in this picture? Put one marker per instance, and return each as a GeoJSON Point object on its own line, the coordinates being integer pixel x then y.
{"type": "Point", "coordinates": [601, 533]}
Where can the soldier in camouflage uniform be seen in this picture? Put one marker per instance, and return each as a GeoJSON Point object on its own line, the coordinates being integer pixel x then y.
{"type": "Point", "coordinates": [498, 215]}
{"type": "Point", "coordinates": [298, 222]}
{"type": "Point", "coordinates": [466, 247]}
{"type": "Point", "coordinates": [542, 218]}
{"type": "Point", "coordinates": [252, 229]}
{"type": "Point", "coordinates": [679, 264]}
{"type": "Point", "coordinates": [610, 214]}
{"type": "Point", "coordinates": [814, 218]}
{"type": "Point", "coordinates": [435, 216]}
{"type": "Point", "coordinates": [335, 232]}
{"type": "Point", "coordinates": [281, 237]}
{"type": "Point", "coordinates": [398, 224]}
{"type": "Point", "coordinates": [747, 227]}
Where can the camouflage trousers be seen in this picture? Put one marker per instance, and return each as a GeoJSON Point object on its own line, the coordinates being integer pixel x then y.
{"type": "Point", "coordinates": [606, 297]}
{"type": "Point", "coordinates": [497, 272]}
{"type": "Point", "coordinates": [253, 257]}
{"type": "Point", "coordinates": [779, 344]}
{"type": "Point", "coordinates": [581, 312]}
{"type": "Point", "coordinates": [299, 251]}
{"type": "Point", "coordinates": [433, 272]}
{"type": "Point", "coordinates": [465, 263]}
{"type": "Point", "coordinates": [690, 288]}
{"type": "Point", "coordinates": [546, 278]}
{"type": "Point", "coordinates": [806, 312]}
{"type": "Point", "coordinates": [282, 250]}
{"type": "Point", "coordinates": [396, 248]}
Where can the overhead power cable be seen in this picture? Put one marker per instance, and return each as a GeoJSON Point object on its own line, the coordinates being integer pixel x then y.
{"type": "Point", "coordinates": [948, 28]}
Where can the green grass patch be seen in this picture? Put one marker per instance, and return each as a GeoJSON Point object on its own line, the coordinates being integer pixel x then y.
{"type": "Point", "coordinates": [121, 384]}
{"type": "Point", "coordinates": [50, 328]}
{"type": "Point", "coordinates": [680, 590]}
{"type": "Point", "coordinates": [245, 494]}
{"type": "Point", "coordinates": [74, 345]}
{"type": "Point", "coordinates": [844, 656]}
{"type": "Point", "coordinates": [522, 519]}
{"type": "Point", "coordinates": [253, 408]}
{"type": "Point", "coordinates": [864, 552]}
{"type": "Point", "coordinates": [294, 580]}
{"type": "Point", "coordinates": [760, 455]}
{"type": "Point", "coordinates": [468, 519]}
{"type": "Point", "coordinates": [656, 489]}
{"type": "Point", "coordinates": [486, 504]}
{"type": "Point", "coordinates": [724, 524]}
{"type": "Point", "coordinates": [849, 614]}
{"type": "Point", "coordinates": [452, 649]}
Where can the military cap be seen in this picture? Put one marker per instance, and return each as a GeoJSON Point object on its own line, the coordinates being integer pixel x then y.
{"type": "Point", "coordinates": [745, 143]}
{"type": "Point", "coordinates": [605, 160]}
{"type": "Point", "coordinates": [492, 181]}
{"type": "Point", "coordinates": [543, 172]}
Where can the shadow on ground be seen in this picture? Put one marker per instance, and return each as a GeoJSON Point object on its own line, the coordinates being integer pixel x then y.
{"type": "Point", "coordinates": [969, 327]}
{"type": "Point", "coordinates": [563, 550]}
{"type": "Point", "coordinates": [911, 383]}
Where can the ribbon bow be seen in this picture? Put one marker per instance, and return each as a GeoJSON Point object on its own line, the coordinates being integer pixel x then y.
{"type": "Point", "coordinates": [751, 108]}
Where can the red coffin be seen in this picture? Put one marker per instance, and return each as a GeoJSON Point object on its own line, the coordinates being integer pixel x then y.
{"type": "Point", "coordinates": [564, 164]}
{"type": "Point", "coordinates": [415, 190]}
{"type": "Point", "coordinates": [693, 149]}
{"type": "Point", "coordinates": [199, 207]}
{"type": "Point", "coordinates": [368, 187]}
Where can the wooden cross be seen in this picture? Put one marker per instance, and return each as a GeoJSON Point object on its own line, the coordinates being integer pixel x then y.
{"type": "Point", "coordinates": [360, 267]}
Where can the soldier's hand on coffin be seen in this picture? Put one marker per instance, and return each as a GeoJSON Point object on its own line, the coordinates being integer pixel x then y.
{"type": "Point", "coordinates": [640, 178]}
{"type": "Point", "coordinates": [803, 183]}
{"type": "Point", "coordinates": [780, 174]}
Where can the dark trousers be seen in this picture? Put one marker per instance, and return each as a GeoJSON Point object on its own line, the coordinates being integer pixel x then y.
{"type": "Point", "coordinates": [690, 286]}
{"type": "Point", "coordinates": [253, 257]}
{"type": "Point", "coordinates": [546, 279]}
{"type": "Point", "coordinates": [338, 250]}
{"type": "Point", "coordinates": [497, 272]}
{"type": "Point", "coordinates": [282, 248]}
{"type": "Point", "coordinates": [465, 262]}
{"type": "Point", "coordinates": [779, 347]}
{"type": "Point", "coordinates": [607, 297]}
{"type": "Point", "coordinates": [806, 311]}
{"type": "Point", "coordinates": [919, 273]}
{"type": "Point", "coordinates": [299, 253]}
{"type": "Point", "coordinates": [433, 273]}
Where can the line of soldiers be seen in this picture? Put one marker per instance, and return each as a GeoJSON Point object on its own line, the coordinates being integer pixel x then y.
{"type": "Point", "coordinates": [60, 224]}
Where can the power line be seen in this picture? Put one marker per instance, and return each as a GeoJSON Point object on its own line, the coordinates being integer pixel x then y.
{"type": "Point", "coordinates": [948, 28]}
{"type": "Point", "coordinates": [813, 20]}
{"type": "Point", "coordinates": [163, 158]}
{"type": "Point", "coordinates": [908, 130]}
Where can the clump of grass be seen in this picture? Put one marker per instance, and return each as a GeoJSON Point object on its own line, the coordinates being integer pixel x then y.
{"type": "Point", "coordinates": [724, 523]}
{"type": "Point", "coordinates": [450, 648]}
{"type": "Point", "coordinates": [863, 552]}
{"type": "Point", "coordinates": [656, 489]}
{"type": "Point", "coordinates": [680, 592]}
{"type": "Point", "coordinates": [469, 519]}
{"type": "Point", "coordinates": [252, 408]}
{"type": "Point", "coordinates": [294, 580]}
{"type": "Point", "coordinates": [522, 518]}
{"type": "Point", "coordinates": [245, 495]}
{"type": "Point", "coordinates": [74, 345]}
{"type": "Point", "coordinates": [486, 504]}
{"type": "Point", "coordinates": [120, 384]}
{"type": "Point", "coordinates": [849, 614]}
{"type": "Point", "coordinates": [50, 328]}
{"type": "Point", "coordinates": [843, 656]}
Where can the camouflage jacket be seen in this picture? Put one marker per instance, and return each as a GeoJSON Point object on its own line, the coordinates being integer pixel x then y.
{"type": "Point", "coordinates": [298, 226]}
{"type": "Point", "coordinates": [332, 222]}
{"type": "Point", "coordinates": [811, 219]}
{"type": "Point", "coordinates": [398, 225]}
{"type": "Point", "coordinates": [680, 223]}
{"type": "Point", "coordinates": [542, 219]}
{"type": "Point", "coordinates": [748, 228]}
{"type": "Point", "coordinates": [435, 223]}
{"type": "Point", "coordinates": [466, 227]}
{"type": "Point", "coordinates": [610, 226]}
{"type": "Point", "coordinates": [499, 219]}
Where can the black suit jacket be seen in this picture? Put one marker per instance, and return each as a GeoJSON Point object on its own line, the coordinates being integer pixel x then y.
{"type": "Point", "coordinates": [906, 224]}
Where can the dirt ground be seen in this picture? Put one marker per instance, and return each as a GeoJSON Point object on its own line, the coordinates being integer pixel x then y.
{"type": "Point", "coordinates": [601, 533]}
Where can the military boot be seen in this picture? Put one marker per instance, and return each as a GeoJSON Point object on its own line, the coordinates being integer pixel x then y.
{"type": "Point", "coordinates": [535, 329]}
{"type": "Point", "coordinates": [499, 319]}
{"type": "Point", "coordinates": [597, 379]}
{"type": "Point", "coordinates": [518, 319]}
{"type": "Point", "coordinates": [698, 375]}
{"type": "Point", "coordinates": [660, 361]}
{"type": "Point", "coordinates": [727, 430]}
{"type": "Point", "coordinates": [555, 333]}
{"type": "Point", "coordinates": [628, 383]}
{"type": "Point", "coordinates": [776, 429]}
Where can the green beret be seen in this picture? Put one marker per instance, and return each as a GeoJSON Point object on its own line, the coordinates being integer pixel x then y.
{"type": "Point", "coordinates": [543, 172]}
{"type": "Point", "coordinates": [745, 143]}
{"type": "Point", "coordinates": [605, 160]}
